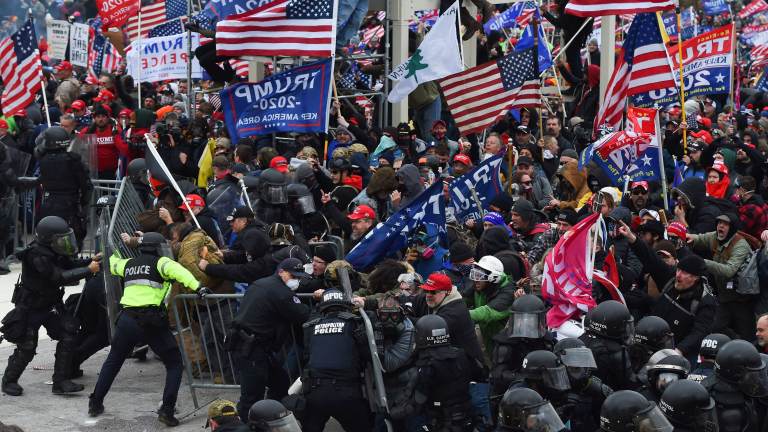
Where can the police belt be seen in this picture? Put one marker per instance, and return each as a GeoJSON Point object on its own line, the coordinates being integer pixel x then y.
{"type": "Point", "coordinates": [352, 382]}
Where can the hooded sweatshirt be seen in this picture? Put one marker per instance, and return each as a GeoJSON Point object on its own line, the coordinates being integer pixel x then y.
{"type": "Point", "coordinates": [578, 180]}
{"type": "Point", "coordinates": [411, 178]}
{"type": "Point", "coordinates": [719, 189]}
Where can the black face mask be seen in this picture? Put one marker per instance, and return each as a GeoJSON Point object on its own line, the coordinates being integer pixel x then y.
{"type": "Point", "coordinates": [402, 188]}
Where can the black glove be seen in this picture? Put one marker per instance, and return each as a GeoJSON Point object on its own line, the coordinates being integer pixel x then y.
{"type": "Point", "coordinates": [202, 292]}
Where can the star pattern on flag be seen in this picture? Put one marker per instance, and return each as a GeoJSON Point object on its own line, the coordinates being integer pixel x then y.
{"type": "Point", "coordinates": [175, 9]}
{"type": "Point", "coordinates": [309, 9]}
{"type": "Point", "coordinates": [646, 160]}
{"type": "Point", "coordinates": [516, 68]}
{"type": "Point", "coordinates": [720, 77]}
{"type": "Point", "coordinates": [167, 29]}
{"type": "Point", "coordinates": [646, 33]}
{"type": "Point", "coordinates": [24, 41]}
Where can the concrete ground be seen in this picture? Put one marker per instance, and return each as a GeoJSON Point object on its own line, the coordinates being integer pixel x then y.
{"type": "Point", "coordinates": [129, 406]}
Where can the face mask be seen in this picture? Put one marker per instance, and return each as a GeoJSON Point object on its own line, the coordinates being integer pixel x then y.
{"type": "Point", "coordinates": [548, 154]}
{"type": "Point", "coordinates": [307, 268]}
{"type": "Point", "coordinates": [293, 284]}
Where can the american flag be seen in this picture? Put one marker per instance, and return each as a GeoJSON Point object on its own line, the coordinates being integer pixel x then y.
{"type": "Point", "coordinates": [526, 15]}
{"type": "Point", "coordinates": [612, 108]}
{"type": "Point", "coordinates": [279, 28]}
{"type": "Point", "coordinates": [240, 67]}
{"type": "Point", "coordinates": [759, 55]}
{"type": "Point", "coordinates": [154, 15]}
{"type": "Point", "coordinates": [370, 33]}
{"type": "Point", "coordinates": [647, 57]}
{"type": "Point", "coordinates": [20, 68]}
{"type": "Point", "coordinates": [480, 95]}
{"type": "Point", "coordinates": [102, 56]}
{"type": "Point", "coordinates": [595, 8]}
{"type": "Point", "coordinates": [167, 29]}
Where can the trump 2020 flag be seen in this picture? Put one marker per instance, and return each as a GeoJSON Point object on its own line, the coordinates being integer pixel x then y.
{"type": "Point", "coordinates": [616, 152]}
{"type": "Point", "coordinates": [390, 236]}
{"type": "Point", "coordinates": [648, 166]}
{"type": "Point", "coordinates": [438, 56]}
{"type": "Point", "coordinates": [292, 101]}
{"type": "Point", "coordinates": [568, 271]}
{"type": "Point", "coordinates": [484, 181]}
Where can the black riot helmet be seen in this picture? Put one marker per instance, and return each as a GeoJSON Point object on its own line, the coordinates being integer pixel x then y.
{"type": "Point", "coordinates": [522, 409]}
{"type": "Point", "coordinates": [334, 298]}
{"type": "Point", "coordinates": [739, 363]}
{"type": "Point", "coordinates": [305, 175]}
{"type": "Point", "coordinates": [654, 334]}
{"type": "Point", "coordinates": [137, 167]}
{"type": "Point", "coordinates": [668, 370]}
{"type": "Point", "coordinates": [528, 318]}
{"type": "Point", "coordinates": [432, 331]}
{"type": "Point", "coordinates": [152, 243]}
{"type": "Point", "coordinates": [612, 320]}
{"type": "Point", "coordinates": [579, 361]}
{"type": "Point", "coordinates": [687, 404]}
{"type": "Point", "coordinates": [546, 368]}
{"type": "Point", "coordinates": [56, 138]}
{"type": "Point", "coordinates": [302, 199]}
{"type": "Point", "coordinates": [271, 416]}
{"type": "Point", "coordinates": [273, 187]}
{"type": "Point", "coordinates": [711, 345]}
{"type": "Point", "coordinates": [54, 232]}
{"type": "Point", "coordinates": [629, 411]}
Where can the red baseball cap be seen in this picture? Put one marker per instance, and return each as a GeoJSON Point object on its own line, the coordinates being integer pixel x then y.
{"type": "Point", "coordinates": [125, 112]}
{"type": "Point", "coordinates": [104, 96]}
{"type": "Point", "coordinates": [438, 282]}
{"type": "Point", "coordinates": [3, 124]}
{"type": "Point", "coordinates": [279, 163]}
{"type": "Point", "coordinates": [63, 65]}
{"type": "Point", "coordinates": [78, 105]}
{"type": "Point", "coordinates": [677, 229]}
{"type": "Point", "coordinates": [462, 158]}
{"type": "Point", "coordinates": [703, 135]}
{"type": "Point", "coordinates": [642, 184]}
{"type": "Point", "coordinates": [362, 211]}
{"type": "Point", "coordinates": [194, 200]}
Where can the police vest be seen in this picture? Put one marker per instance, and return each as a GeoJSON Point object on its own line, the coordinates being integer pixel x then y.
{"type": "Point", "coordinates": [143, 284]}
{"type": "Point", "coordinates": [332, 349]}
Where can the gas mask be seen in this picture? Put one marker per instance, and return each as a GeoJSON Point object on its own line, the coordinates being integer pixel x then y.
{"type": "Point", "coordinates": [391, 319]}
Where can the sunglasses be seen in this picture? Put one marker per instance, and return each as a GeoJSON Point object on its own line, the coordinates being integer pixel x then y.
{"type": "Point", "coordinates": [527, 182]}
{"type": "Point", "coordinates": [639, 192]}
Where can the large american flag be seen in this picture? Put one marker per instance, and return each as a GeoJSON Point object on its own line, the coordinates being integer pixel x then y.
{"type": "Point", "coordinates": [594, 8]}
{"type": "Point", "coordinates": [612, 108]}
{"type": "Point", "coordinates": [102, 56]}
{"type": "Point", "coordinates": [172, 27]}
{"type": "Point", "coordinates": [20, 69]}
{"type": "Point", "coordinates": [480, 95]}
{"type": "Point", "coordinates": [154, 15]}
{"type": "Point", "coordinates": [279, 28]}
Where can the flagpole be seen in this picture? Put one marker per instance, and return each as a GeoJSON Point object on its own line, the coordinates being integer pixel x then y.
{"type": "Point", "coordinates": [660, 142]}
{"type": "Point", "coordinates": [535, 23]}
{"type": "Point", "coordinates": [682, 77]}
{"type": "Point", "coordinates": [333, 66]}
{"type": "Point", "coordinates": [138, 62]}
{"type": "Point", "coordinates": [189, 61]}
{"type": "Point", "coordinates": [734, 54]}
{"type": "Point", "coordinates": [42, 78]}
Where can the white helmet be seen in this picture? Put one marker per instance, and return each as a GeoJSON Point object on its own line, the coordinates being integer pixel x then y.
{"type": "Point", "coordinates": [488, 269]}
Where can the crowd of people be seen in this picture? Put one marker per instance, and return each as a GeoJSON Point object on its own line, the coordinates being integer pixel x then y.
{"type": "Point", "coordinates": [677, 339]}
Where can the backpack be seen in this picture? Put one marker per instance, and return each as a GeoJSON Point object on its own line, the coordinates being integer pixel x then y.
{"type": "Point", "coordinates": [746, 281]}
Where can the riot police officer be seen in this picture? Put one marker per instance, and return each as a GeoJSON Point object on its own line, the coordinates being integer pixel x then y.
{"type": "Point", "coordinates": [146, 280]}
{"type": "Point", "coordinates": [46, 265]}
{"type": "Point", "coordinates": [273, 196]}
{"type": "Point", "coordinates": [66, 185]}
{"type": "Point", "coordinates": [687, 405]}
{"type": "Point", "coordinates": [651, 334]}
{"type": "Point", "coordinates": [524, 410]}
{"type": "Point", "coordinates": [738, 386]}
{"type": "Point", "coordinates": [629, 411]}
{"type": "Point", "coordinates": [271, 416]}
{"type": "Point", "coordinates": [665, 371]}
{"type": "Point", "coordinates": [526, 331]}
{"type": "Point", "coordinates": [444, 375]}
{"type": "Point", "coordinates": [587, 392]}
{"type": "Point", "coordinates": [710, 345]}
{"type": "Point", "coordinates": [609, 330]}
{"type": "Point", "coordinates": [336, 354]}
{"type": "Point", "coordinates": [544, 372]}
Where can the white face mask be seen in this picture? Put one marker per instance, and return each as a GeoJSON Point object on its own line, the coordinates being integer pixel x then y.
{"type": "Point", "coordinates": [548, 154]}
{"type": "Point", "coordinates": [293, 284]}
{"type": "Point", "coordinates": [308, 268]}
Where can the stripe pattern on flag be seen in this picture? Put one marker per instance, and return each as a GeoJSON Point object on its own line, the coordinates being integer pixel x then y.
{"type": "Point", "coordinates": [647, 56]}
{"type": "Point", "coordinates": [595, 8]}
{"type": "Point", "coordinates": [612, 108]}
{"type": "Point", "coordinates": [20, 69]}
{"type": "Point", "coordinates": [153, 15]}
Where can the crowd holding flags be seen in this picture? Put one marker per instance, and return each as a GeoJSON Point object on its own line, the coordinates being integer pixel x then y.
{"type": "Point", "coordinates": [20, 68]}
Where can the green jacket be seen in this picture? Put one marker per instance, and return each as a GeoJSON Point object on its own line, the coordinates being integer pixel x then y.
{"type": "Point", "coordinates": [725, 262]}
{"type": "Point", "coordinates": [146, 295]}
{"type": "Point", "coordinates": [489, 309]}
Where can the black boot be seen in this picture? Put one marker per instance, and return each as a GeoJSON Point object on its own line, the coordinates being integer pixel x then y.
{"type": "Point", "coordinates": [62, 371]}
{"type": "Point", "coordinates": [166, 416]}
{"type": "Point", "coordinates": [95, 408]}
{"type": "Point", "coordinates": [12, 388]}
{"type": "Point", "coordinates": [17, 362]}
{"type": "Point", "coordinates": [66, 386]}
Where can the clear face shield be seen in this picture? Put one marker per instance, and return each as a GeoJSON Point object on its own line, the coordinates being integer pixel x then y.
{"type": "Point", "coordinates": [652, 420]}
{"type": "Point", "coordinates": [478, 274]}
{"type": "Point", "coordinates": [542, 418]}
{"type": "Point", "coordinates": [754, 383]}
{"type": "Point", "coordinates": [526, 325]}
{"type": "Point", "coordinates": [665, 379]}
{"type": "Point", "coordinates": [629, 332]}
{"type": "Point", "coordinates": [285, 424]}
{"type": "Point", "coordinates": [275, 194]}
{"type": "Point", "coordinates": [65, 244]}
{"type": "Point", "coordinates": [557, 379]}
{"type": "Point", "coordinates": [306, 204]}
{"type": "Point", "coordinates": [578, 358]}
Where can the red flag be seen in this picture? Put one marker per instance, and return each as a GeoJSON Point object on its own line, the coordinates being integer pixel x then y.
{"type": "Point", "coordinates": [595, 8]}
{"type": "Point", "coordinates": [568, 271]}
{"type": "Point", "coordinates": [609, 278]}
{"type": "Point", "coordinates": [115, 13]}
{"type": "Point", "coordinates": [753, 8]}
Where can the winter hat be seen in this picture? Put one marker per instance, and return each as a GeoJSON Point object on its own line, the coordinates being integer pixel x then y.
{"type": "Point", "coordinates": [677, 229]}
{"type": "Point", "coordinates": [693, 264]}
{"type": "Point", "coordinates": [665, 246]}
{"type": "Point", "coordinates": [325, 253]}
{"type": "Point", "coordinates": [494, 218]}
{"type": "Point", "coordinates": [503, 201]}
{"type": "Point", "coordinates": [524, 208]}
{"type": "Point", "coordinates": [460, 251]}
{"type": "Point", "coordinates": [571, 153]}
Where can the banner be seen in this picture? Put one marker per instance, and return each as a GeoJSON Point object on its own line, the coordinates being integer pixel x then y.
{"type": "Point", "coordinates": [78, 45]}
{"type": "Point", "coordinates": [714, 7]}
{"type": "Point", "coordinates": [753, 8]}
{"type": "Point", "coordinates": [217, 10]}
{"type": "Point", "coordinates": [616, 153]}
{"type": "Point", "coordinates": [115, 13]}
{"type": "Point", "coordinates": [508, 18]}
{"type": "Point", "coordinates": [291, 101]}
{"type": "Point", "coordinates": [58, 39]}
{"type": "Point", "coordinates": [687, 22]}
{"type": "Point", "coordinates": [162, 58]}
{"type": "Point", "coordinates": [707, 61]}
{"type": "Point", "coordinates": [484, 180]}
{"type": "Point", "coordinates": [647, 167]}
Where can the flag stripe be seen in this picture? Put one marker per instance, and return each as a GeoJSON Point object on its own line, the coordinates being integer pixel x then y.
{"type": "Point", "coordinates": [595, 8]}
{"type": "Point", "coordinates": [151, 15]}
{"type": "Point", "coordinates": [21, 76]}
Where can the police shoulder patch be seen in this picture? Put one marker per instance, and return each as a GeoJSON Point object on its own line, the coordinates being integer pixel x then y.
{"type": "Point", "coordinates": [296, 299]}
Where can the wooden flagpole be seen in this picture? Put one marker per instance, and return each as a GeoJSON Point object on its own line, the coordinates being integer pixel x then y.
{"type": "Point", "coordinates": [535, 23]}
{"type": "Point", "coordinates": [682, 77]}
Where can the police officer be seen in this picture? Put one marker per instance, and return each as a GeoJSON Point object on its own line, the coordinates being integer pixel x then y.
{"type": "Point", "coordinates": [629, 411]}
{"type": "Point", "coordinates": [444, 376]}
{"type": "Point", "coordinates": [687, 405]}
{"type": "Point", "coordinates": [651, 334]}
{"type": "Point", "coordinates": [273, 197]}
{"type": "Point", "coordinates": [66, 185]}
{"type": "Point", "coordinates": [271, 416]}
{"type": "Point", "coordinates": [587, 392]}
{"type": "Point", "coordinates": [526, 331]}
{"type": "Point", "coordinates": [146, 281]}
{"type": "Point", "coordinates": [524, 410]}
{"type": "Point", "coordinates": [46, 265]}
{"type": "Point", "coordinates": [336, 353]}
{"type": "Point", "coordinates": [664, 372]}
{"type": "Point", "coordinates": [544, 372]}
{"type": "Point", "coordinates": [710, 345]}
{"type": "Point", "coordinates": [739, 387]}
{"type": "Point", "coordinates": [609, 330]}
{"type": "Point", "coordinates": [259, 329]}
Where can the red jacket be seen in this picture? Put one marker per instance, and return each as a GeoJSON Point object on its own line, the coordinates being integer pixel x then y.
{"type": "Point", "coordinates": [109, 146]}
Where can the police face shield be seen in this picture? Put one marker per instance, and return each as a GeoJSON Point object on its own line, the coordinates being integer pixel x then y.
{"type": "Point", "coordinates": [652, 420]}
{"type": "Point", "coordinates": [665, 379]}
{"type": "Point", "coordinates": [578, 358]}
{"type": "Point", "coordinates": [556, 378]}
{"type": "Point", "coordinates": [65, 244]}
{"type": "Point", "coordinates": [542, 418]}
{"type": "Point", "coordinates": [754, 383]}
{"type": "Point", "coordinates": [629, 332]}
{"type": "Point", "coordinates": [285, 424]}
{"type": "Point", "coordinates": [275, 194]}
{"type": "Point", "coordinates": [306, 204]}
{"type": "Point", "coordinates": [526, 324]}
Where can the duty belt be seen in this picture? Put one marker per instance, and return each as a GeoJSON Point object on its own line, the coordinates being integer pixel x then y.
{"type": "Point", "coordinates": [144, 282]}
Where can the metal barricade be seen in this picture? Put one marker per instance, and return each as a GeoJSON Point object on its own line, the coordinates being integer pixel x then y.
{"type": "Point", "coordinates": [101, 188]}
{"type": "Point", "coordinates": [25, 215]}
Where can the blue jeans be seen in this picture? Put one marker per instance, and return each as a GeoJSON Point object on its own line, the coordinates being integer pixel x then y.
{"type": "Point", "coordinates": [350, 16]}
{"type": "Point", "coordinates": [426, 116]}
{"type": "Point", "coordinates": [478, 392]}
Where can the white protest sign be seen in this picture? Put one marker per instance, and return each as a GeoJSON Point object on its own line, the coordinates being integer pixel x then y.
{"type": "Point", "coordinates": [78, 45]}
{"type": "Point", "coordinates": [162, 58]}
{"type": "Point", "coordinates": [58, 39]}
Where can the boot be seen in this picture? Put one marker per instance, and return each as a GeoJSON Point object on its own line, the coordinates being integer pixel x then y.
{"type": "Point", "coordinates": [12, 388]}
{"type": "Point", "coordinates": [66, 386]}
{"type": "Point", "coordinates": [17, 362]}
{"type": "Point", "coordinates": [95, 408]}
{"type": "Point", "coordinates": [140, 354]}
{"type": "Point", "coordinates": [167, 417]}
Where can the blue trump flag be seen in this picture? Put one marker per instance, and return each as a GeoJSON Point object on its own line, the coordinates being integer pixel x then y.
{"type": "Point", "coordinates": [622, 153]}
{"type": "Point", "coordinates": [526, 41]}
{"type": "Point", "coordinates": [388, 237]}
{"type": "Point", "coordinates": [291, 101]}
{"type": "Point", "coordinates": [484, 180]}
{"type": "Point", "coordinates": [715, 7]}
{"type": "Point", "coordinates": [217, 10]}
{"type": "Point", "coordinates": [508, 18]}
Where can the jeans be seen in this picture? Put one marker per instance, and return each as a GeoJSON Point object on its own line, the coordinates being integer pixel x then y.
{"type": "Point", "coordinates": [350, 16]}
{"type": "Point", "coordinates": [426, 116]}
{"type": "Point", "coordinates": [478, 392]}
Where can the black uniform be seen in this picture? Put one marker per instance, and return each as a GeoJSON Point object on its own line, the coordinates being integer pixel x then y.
{"type": "Point", "coordinates": [337, 351]}
{"type": "Point", "coordinates": [613, 363]}
{"type": "Point", "coordinates": [444, 376]}
{"type": "Point", "coordinates": [67, 189]}
{"type": "Point", "coordinates": [507, 359]}
{"type": "Point", "coordinates": [259, 329]}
